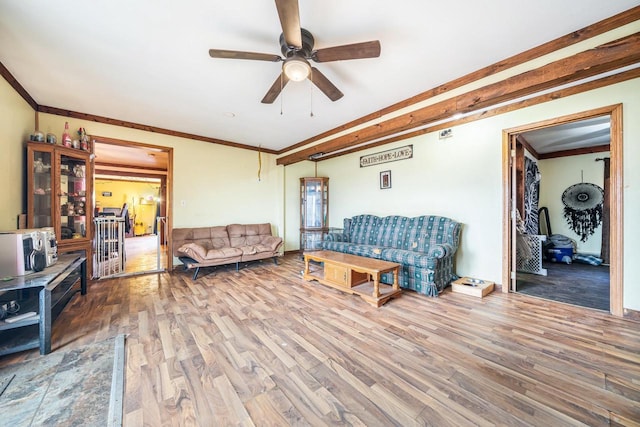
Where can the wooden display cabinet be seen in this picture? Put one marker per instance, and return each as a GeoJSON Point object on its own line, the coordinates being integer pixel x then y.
{"type": "Point", "coordinates": [59, 195]}
{"type": "Point", "coordinates": [314, 212]}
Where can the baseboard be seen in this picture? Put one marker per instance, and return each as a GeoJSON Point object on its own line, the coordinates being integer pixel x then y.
{"type": "Point", "coordinates": [631, 314]}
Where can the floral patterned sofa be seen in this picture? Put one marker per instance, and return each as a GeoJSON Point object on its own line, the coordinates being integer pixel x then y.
{"type": "Point", "coordinates": [425, 246]}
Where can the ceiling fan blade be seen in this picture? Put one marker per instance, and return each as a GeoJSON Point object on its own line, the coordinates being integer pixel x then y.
{"type": "Point", "coordinates": [323, 83]}
{"type": "Point", "coordinates": [236, 54]}
{"type": "Point", "coordinates": [290, 22]}
{"type": "Point", "coordinates": [275, 89]}
{"type": "Point", "coordinates": [362, 50]}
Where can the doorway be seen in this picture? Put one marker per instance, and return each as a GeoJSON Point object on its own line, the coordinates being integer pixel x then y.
{"type": "Point", "coordinates": [133, 178]}
{"type": "Point", "coordinates": [563, 280]}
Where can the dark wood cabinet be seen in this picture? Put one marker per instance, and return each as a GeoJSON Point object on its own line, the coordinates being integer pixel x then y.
{"type": "Point", "coordinates": [44, 295]}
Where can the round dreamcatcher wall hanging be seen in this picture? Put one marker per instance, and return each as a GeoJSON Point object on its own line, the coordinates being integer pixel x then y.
{"type": "Point", "coordinates": [583, 208]}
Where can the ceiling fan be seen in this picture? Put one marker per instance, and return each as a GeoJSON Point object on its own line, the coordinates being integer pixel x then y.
{"type": "Point", "coordinates": [296, 45]}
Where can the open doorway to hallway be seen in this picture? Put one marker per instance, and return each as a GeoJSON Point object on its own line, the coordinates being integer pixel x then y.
{"type": "Point", "coordinates": [562, 199]}
{"type": "Point", "coordinates": [527, 266]}
{"type": "Point", "coordinates": [131, 182]}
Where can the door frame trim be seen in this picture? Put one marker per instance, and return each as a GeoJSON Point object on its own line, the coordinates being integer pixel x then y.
{"type": "Point", "coordinates": [166, 180]}
{"type": "Point", "coordinates": [616, 286]}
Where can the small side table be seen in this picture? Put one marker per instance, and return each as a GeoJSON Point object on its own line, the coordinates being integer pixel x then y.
{"type": "Point", "coordinates": [471, 286]}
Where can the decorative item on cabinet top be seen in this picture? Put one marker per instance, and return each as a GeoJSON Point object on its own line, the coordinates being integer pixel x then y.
{"type": "Point", "coordinates": [36, 136]}
{"type": "Point", "coordinates": [82, 144]}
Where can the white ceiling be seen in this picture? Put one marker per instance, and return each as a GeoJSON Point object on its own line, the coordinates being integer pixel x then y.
{"type": "Point", "coordinates": [570, 136]}
{"type": "Point", "coordinates": [147, 62]}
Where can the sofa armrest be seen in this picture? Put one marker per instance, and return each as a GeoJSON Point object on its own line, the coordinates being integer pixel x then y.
{"type": "Point", "coordinates": [336, 237]}
{"type": "Point", "coordinates": [441, 250]}
{"type": "Point", "coordinates": [272, 242]}
{"type": "Point", "coordinates": [193, 251]}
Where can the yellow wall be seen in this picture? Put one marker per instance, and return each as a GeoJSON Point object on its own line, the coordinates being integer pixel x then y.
{"type": "Point", "coordinates": [140, 197]}
{"type": "Point", "coordinates": [461, 178]}
{"type": "Point", "coordinates": [556, 176]}
{"type": "Point", "coordinates": [17, 121]}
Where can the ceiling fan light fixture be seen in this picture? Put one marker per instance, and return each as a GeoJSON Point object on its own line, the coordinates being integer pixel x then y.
{"type": "Point", "coordinates": [296, 68]}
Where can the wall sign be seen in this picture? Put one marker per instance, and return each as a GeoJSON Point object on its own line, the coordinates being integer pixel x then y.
{"type": "Point", "coordinates": [106, 194]}
{"type": "Point", "coordinates": [401, 153]}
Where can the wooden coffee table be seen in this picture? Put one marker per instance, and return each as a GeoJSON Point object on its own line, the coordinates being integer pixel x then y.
{"type": "Point", "coordinates": [353, 274]}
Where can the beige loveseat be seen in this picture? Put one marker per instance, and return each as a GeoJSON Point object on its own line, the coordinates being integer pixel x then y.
{"type": "Point", "coordinates": [219, 245]}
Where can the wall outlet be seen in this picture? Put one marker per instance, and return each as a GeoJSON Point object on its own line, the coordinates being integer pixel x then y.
{"type": "Point", "coordinates": [445, 133]}
{"type": "Point", "coordinates": [183, 203]}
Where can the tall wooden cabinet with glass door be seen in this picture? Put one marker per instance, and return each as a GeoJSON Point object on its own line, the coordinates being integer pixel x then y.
{"type": "Point", "coordinates": [59, 195]}
{"type": "Point", "coordinates": [314, 212]}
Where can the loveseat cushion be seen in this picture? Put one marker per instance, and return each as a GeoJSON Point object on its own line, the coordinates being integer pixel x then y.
{"type": "Point", "coordinates": [199, 253]}
{"type": "Point", "coordinates": [362, 229]}
{"type": "Point", "coordinates": [255, 249]}
{"type": "Point", "coordinates": [392, 232]}
{"type": "Point", "coordinates": [336, 237]}
{"type": "Point", "coordinates": [428, 230]}
{"type": "Point", "coordinates": [369, 251]}
{"type": "Point", "coordinates": [251, 234]}
{"type": "Point", "coordinates": [223, 253]}
{"type": "Point", "coordinates": [331, 245]}
{"type": "Point", "coordinates": [193, 250]}
{"type": "Point", "coordinates": [207, 237]}
{"type": "Point", "coordinates": [409, 258]}
{"type": "Point", "coordinates": [271, 243]}
{"type": "Point", "coordinates": [441, 250]}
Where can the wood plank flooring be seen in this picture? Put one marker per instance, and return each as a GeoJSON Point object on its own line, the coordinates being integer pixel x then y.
{"type": "Point", "coordinates": [142, 254]}
{"type": "Point", "coordinates": [578, 284]}
{"type": "Point", "coordinates": [263, 347]}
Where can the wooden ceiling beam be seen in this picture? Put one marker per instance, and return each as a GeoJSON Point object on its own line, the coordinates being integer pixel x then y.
{"type": "Point", "coordinates": [576, 151]}
{"type": "Point", "coordinates": [522, 140]}
{"type": "Point", "coordinates": [572, 38]}
{"type": "Point", "coordinates": [601, 59]}
{"type": "Point", "coordinates": [631, 74]}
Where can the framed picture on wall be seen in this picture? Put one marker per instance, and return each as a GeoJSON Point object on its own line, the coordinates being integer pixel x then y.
{"type": "Point", "coordinates": [385, 180]}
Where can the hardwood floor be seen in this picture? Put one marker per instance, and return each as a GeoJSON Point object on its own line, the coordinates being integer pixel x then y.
{"type": "Point", "coordinates": [263, 347]}
{"type": "Point", "coordinates": [578, 284]}
{"type": "Point", "coordinates": [142, 254]}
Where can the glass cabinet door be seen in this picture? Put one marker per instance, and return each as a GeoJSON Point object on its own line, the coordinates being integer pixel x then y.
{"type": "Point", "coordinates": [73, 198]}
{"type": "Point", "coordinates": [325, 204]}
{"type": "Point", "coordinates": [41, 188]}
{"type": "Point", "coordinates": [314, 211]}
{"type": "Point", "coordinates": [313, 204]}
